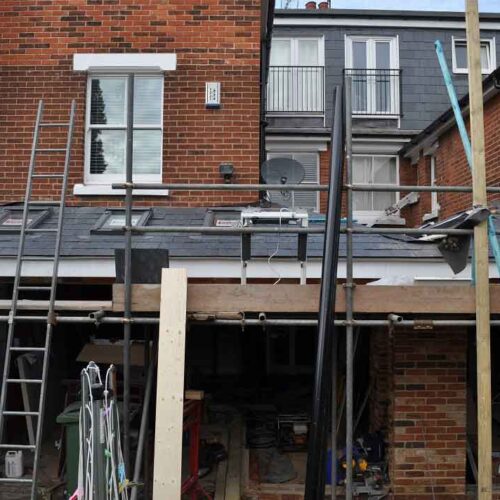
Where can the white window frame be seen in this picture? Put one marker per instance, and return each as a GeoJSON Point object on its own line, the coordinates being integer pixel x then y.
{"type": "Point", "coordinates": [294, 56]}
{"type": "Point", "coordinates": [492, 59]}
{"type": "Point", "coordinates": [277, 154]}
{"type": "Point", "coordinates": [108, 179]}
{"type": "Point", "coordinates": [370, 216]}
{"type": "Point", "coordinates": [370, 51]}
{"type": "Point", "coordinates": [435, 207]}
{"type": "Point", "coordinates": [294, 50]}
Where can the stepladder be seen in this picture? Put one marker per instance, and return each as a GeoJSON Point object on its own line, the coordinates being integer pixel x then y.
{"type": "Point", "coordinates": [49, 163]}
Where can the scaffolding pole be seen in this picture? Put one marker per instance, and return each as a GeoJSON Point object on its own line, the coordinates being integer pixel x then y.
{"type": "Point", "coordinates": [417, 324]}
{"type": "Point", "coordinates": [127, 279]}
{"type": "Point", "coordinates": [484, 423]}
{"type": "Point", "coordinates": [321, 405]}
{"type": "Point", "coordinates": [349, 289]}
{"type": "Point", "coordinates": [297, 187]}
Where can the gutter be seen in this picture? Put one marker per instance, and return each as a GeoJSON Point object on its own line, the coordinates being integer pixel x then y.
{"type": "Point", "coordinates": [387, 14]}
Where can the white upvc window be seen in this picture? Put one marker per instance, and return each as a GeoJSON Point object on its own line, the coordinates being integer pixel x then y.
{"type": "Point", "coordinates": [106, 128]}
{"type": "Point", "coordinates": [375, 170]}
{"type": "Point", "coordinates": [372, 63]}
{"type": "Point", "coordinates": [297, 51]}
{"type": "Point", "coordinates": [434, 213]}
{"type": "Point", "coordinates": [488, 56]}
{"type": "Point", "coordinates": [300, 199]}
{"type": "Point", "coordinates": [296, 75]}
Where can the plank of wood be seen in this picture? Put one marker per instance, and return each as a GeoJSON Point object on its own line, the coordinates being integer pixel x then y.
{"type": "Point", "coordinates": [482, 290]}
{"type": "Point", "coordinates": [111, 354]}
{"type": "Point", "coordinates": [233, 478]}
{"type": "Point", "coordinates": [226, 297]}
{"type": "Point", "coordinates": [220, 479]}
{"type": "Point", "coordinates": [194, 395]}
{"type": "Point", "coordinates": [170, 385]}
{"type": "Point", "coordinates": [223, 298]}
{"type": "Point", "coordinates": [61, 305]}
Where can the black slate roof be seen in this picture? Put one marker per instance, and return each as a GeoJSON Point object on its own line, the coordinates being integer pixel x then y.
{"type": "Point", "coordinates": [79, 241]}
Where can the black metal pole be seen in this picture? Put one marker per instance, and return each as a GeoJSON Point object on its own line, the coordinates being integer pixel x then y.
{"type": "Point", "coordinates": [333, 465]}
{"type": "Point", "coordinates": [316, 459]}
{"type": "Point", "coordinates": [128, 272]}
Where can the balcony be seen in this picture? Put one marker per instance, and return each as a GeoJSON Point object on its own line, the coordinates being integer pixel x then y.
{"type": "Point", "coordinates": [375, 92]}
{"type": "Point", "coordinates": [296, 90]}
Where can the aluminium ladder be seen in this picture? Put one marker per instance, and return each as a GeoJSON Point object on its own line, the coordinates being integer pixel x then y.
{"type": "Point", "coordinates": [12, 349]}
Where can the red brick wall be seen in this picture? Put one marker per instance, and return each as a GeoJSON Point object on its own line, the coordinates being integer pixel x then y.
{"type": "Point", "coordinates": [324, 178]}
{"type": "Point", "coordinates": [429, 414]}
{"type": "Point", "coordinates": [381, 363]}
{"type": "Point", "coordinates": [215, 40]}
{"type": "Point", "coordinates": [452, 167]}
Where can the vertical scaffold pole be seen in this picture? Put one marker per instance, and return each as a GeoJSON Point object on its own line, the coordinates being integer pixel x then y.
{"type": "Point", "coordinates": [349, 285]}
{"type": "Point", "coordinates": [127, 279]}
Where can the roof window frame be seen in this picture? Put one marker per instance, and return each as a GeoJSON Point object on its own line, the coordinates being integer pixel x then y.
{"type": "Point", "coordinates": [41, 215]}
{"type": "Point", "coordinates": [100, 226]}
{"type": "Point", "coordinates": [465, 71]}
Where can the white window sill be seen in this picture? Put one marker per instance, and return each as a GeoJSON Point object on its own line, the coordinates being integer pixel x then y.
{"type": "Point", "coordinates": [107, 190]}
{"type": "Point", "coordinates": [430, 216]}
{"type": "Point", "coordinates": [379, 219]}
{"type": "Point", "coordinates": [125, 62]}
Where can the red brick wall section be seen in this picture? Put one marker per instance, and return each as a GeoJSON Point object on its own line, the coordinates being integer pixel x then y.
{"type": "Point", "coordinates": [324, 178]}
{"type": "Point", "coordinates": [452, 168]}
{"type": "Point", "coordinates": [429, 413]}
{"type": "Point", "coordinates": [381, 363]}
{"type": "Point", "coordinates": [215, 40]}
{"type": "Point", "coordinates": [407, 177]}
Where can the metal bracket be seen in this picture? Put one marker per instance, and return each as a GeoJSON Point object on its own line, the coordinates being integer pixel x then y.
{"type": "Point", "coordinates": [52, 318]}
{"type": "Point", "coordinates": [423, 324]}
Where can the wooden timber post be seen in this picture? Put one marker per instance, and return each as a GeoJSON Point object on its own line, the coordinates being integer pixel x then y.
{"type": "Point", "coordinates": [170, 385]}
{"type": "Point", "coordinates": [484, 423]}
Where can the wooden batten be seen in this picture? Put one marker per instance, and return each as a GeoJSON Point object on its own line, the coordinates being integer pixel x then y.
{"type": "Point", "coordinates": [224, 298]}
{"type": "Point", "coordinates": [170, 385]}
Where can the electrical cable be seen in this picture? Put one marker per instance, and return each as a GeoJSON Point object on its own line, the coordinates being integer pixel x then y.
{"type": "Point", "coordinates": [275, 271]}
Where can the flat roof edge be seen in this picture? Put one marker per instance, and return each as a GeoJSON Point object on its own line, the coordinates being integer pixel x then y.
{"type": "Point", "coordinates": [373, 13]}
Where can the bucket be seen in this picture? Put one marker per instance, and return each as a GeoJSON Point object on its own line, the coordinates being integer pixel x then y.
{"type": "Point", "coordinates": [14, 464]}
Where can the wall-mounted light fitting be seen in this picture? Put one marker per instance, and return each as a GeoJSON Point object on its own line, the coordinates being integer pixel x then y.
{"type": "Point", "coordinates": [227, 171]}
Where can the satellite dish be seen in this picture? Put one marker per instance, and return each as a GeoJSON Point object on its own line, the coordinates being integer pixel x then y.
{"type": "Point", "coordinates": [282, 171]}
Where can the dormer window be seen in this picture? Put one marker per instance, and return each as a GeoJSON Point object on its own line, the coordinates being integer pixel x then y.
{"type": "Point", "coordinates": [296, 76]}
{"type": "Point", "coordinates": [459, 56]}
{"type": "Point", "coordinates": [372, 64]}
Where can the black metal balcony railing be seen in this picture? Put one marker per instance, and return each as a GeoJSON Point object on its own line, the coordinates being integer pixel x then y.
{"type": "Point", "coordinates": [296, 89]}
{"type": "Point", "coordinates": [375, 92]}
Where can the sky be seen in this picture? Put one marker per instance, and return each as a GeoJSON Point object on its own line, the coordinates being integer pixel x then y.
{"type": "Point", "coordinates": [449, 5]}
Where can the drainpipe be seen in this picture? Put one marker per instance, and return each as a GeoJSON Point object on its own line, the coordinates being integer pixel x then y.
{"type": "Point", "coordinates": [267, 19]}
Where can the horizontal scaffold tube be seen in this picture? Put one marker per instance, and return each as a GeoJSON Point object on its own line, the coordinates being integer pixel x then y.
{"type": "Point", "coordinates": [422, 323]}
{"type": "Point", "coordinates": [298, 187]}
{"type": "Point", "coordinates": [296, 230]}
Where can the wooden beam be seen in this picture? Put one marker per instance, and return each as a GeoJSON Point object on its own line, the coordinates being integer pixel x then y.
{"type": "Point", "coordinates": [170, 385]}
{"type": "Point", "coordinates": [223, 298]}
{"type": "Point", "coordinates": [482, 295]}
{"type": "Point", "coordinates": [233, 478]}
